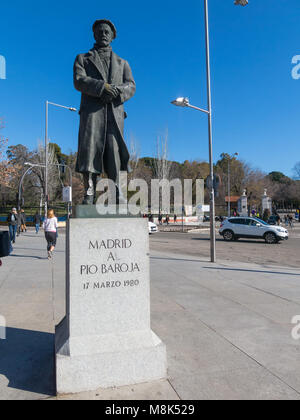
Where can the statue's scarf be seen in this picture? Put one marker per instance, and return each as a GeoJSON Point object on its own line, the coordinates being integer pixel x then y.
{"type": "Point", "coordinates": [104, 55]}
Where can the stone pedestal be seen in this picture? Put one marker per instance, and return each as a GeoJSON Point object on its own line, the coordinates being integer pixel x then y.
{"type": "Point", "coordinates": [243, 205]}
{"type": "Point", "coordinates": [266, 202]}
{"type": "Point", "coordinates": [105, 340]}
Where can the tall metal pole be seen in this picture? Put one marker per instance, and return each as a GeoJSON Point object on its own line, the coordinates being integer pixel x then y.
{"type": "Point", "coordinates": [46, 160]}
{"type": "Point", "coordinates": [211, 166]}
{"type": "Point", "coordinates": [229, 209]}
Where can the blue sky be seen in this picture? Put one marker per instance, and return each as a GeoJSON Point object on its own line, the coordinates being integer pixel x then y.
{"type": "Point", "coordinates": [255, 98]}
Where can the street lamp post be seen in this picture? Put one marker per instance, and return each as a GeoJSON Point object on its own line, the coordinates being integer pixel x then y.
{"type": "Point", "coordinates": [35, 165]}
{"type": "Point", "coordinates": [184, 102]}
{"type": "Point", "coordinates": [46, 147]}
{"type": "Point", "coordinates": [211, 165]}
{"type": "Point", "coordinates": [20, 186]}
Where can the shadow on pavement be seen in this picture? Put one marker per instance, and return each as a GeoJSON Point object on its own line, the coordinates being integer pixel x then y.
{"type": "Point", "coordinates": [37, 249]}
{"type": "Point", "coordinates": [27, 361]}
{"type": "Point", "coordinates": [250, 241]}
{"type": "Point", "coordinates": [226, 268]}
{"type": "Point", "coordinates": [253, 271]}
{"type": "Point", "coordinates": [178, 259]}
{"type": "Point", "coordinates": [28, 256]}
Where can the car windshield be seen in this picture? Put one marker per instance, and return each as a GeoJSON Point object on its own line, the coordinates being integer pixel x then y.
{"type": "Point", "coordinates": [261, 221]}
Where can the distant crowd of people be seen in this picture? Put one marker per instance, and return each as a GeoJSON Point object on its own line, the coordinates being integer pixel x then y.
{"type": "Point", "coordinates": [17, 224]}
{"type": "Point", "coordinates": [288, 220]}
{"type": "Point", "coordinates": [162, 219]}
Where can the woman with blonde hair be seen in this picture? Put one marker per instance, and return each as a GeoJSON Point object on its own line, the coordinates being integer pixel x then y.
{"type": "Point", "coordinates": [50, 226]}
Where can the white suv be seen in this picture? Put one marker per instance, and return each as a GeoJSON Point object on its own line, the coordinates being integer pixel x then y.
{"type": "Point", "coordinates": [251, 227]}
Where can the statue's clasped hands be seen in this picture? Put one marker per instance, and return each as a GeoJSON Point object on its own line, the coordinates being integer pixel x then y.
{"type": "Point", "coordinates": [111, 92]}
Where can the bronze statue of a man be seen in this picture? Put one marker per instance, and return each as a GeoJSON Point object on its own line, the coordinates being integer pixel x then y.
{"type": "Point", "coordinates": [105, 81]}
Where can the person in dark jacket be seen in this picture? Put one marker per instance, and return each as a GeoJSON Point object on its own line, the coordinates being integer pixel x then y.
{"type": "Point", "coordinates": [23, 221]}
{"type": "Point", "coordinates": [37, 222]}
{"type": "Point", "coordinates": [160, 219]}
{"type": "Point", "coordinates": [12, 220]}
{"type": "Point", "coordinates": [19, 223]}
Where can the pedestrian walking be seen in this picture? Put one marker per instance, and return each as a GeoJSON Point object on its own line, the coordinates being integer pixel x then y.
{"type": "Point", "coordinates": [167, 219]}
{"type": "Point", "coordinates": [160, 219]}
{"type": "Point", "coordinates": [12, 220]}
{"type": "Point", "coordinates": [19, 223]}
{"type": "Point", "coordinates": [291, 222]}
{"type": "Point", "coordinates": [37, 222]}
{"type": "Point", "coordinates": [23, 221]}
{"type": "Point", "coordinates": [175, 218]}
{"type": "Point", "coordinates": [50, 226]}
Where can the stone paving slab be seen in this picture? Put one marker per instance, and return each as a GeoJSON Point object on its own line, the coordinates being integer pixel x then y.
{"type": "Point", "coordinates": [226, 326]}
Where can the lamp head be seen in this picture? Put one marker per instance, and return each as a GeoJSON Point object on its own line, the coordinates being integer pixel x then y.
{"type": "Point", "coordinates": [183, 102]}
{"type": "Point", "coordinates": [241, 2]}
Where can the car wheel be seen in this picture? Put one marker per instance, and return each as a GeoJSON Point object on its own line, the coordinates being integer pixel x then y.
{"type": "Point", "coordinates": [228, 235]}
{"type": "Point", "coordinates": [271, 238]}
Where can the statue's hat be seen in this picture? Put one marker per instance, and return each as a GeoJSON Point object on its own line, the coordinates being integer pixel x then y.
{"type": "Point", "coordinates": [108, 22]}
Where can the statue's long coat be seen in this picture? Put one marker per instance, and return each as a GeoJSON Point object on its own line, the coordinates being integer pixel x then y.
{"type": "Point", "coordinates": [95, 115]}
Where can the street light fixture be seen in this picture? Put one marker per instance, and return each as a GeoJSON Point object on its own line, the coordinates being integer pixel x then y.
{"type": "Point", "coordinates": [72, 109]}
{"type": "Point", "coordinates": [184, 102]}
{"type": "Point", "coordinates": [241, 2]}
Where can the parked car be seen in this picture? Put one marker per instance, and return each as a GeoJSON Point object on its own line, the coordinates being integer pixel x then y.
{"type": "Point", "coordinates": [152, 228]}
{"type": "Point", "coordinates": [251, 227]}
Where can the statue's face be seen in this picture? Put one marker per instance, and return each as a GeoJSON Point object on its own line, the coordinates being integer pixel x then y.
{"type": "Point", "coordinates": [103, 35]}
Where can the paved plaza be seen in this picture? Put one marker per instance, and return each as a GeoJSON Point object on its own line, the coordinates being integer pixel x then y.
{"type": "Point", "coordinates": [227, 326]}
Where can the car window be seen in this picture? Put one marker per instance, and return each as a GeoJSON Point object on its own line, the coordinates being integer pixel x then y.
{"type": "Point", "coordinates": [260, 221]}
{"type": "Point", "coordinates": [237, 221]}
{"type": "Point", "coordinates": [248, 222]}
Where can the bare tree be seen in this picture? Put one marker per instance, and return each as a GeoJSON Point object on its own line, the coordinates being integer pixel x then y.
{"type": "Point", "coordinates": [7, 171]}
{"type": "Point", "coordinates": [162, 166]}
{"type": "Point", "coordinates": [54, 181]}
{"type": "Point", "coordinates": [134, 156]}
{"type": "Point", "coordinates": [296, 170]}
